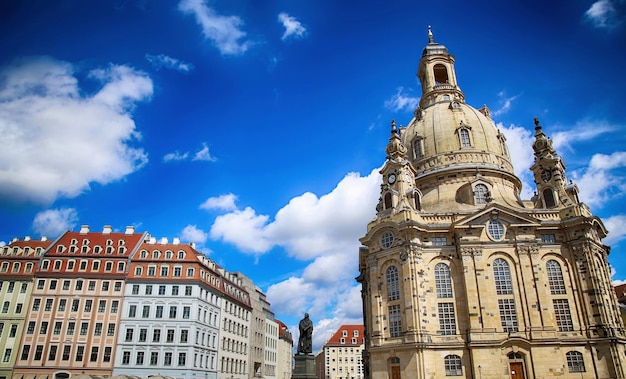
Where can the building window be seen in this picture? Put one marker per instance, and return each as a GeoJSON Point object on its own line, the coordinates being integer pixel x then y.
{"type": "Point", "coordinates": [98, 329]}
{"type": "Point", "coordinates": [562, 315]}
{"type": "Point", "coordinates": [36, 304]}
{"type": "Point", "coordinates": [30, 329]}
{"type": "Point", "coordinates": [173, 311]}
{"type": "Point", "coordinates": [156, 335]}
{"type": "Point", "coordinates": [170, 335]}
{"type": "Point", "coordinates": [481, 193]}
{"type": "Point", "coordinates": [38, 352]}
{"type": "Point", "coordinates": [129, 335]}
{"type": "Point", "coordinates": [495, 229]}
{"type": "Point", "coordinates": [548, 238]}
{"type": "Point", "coordinates": [447, 322]}
{"type": "Point", "coordinates": [67, 349]}
{"type": "Point", "coordinates": [168, 359]}
{"type": "Point", "coordinates": [126, 358]}
{"type": "Point", "coordinates": [555, 277]}
{"type": "Point", "coordinates": [84, 326]}
{"type": "Point", "coordinates": [548, 197]}
{"type": "Point", "coordinates": [143, 334]}
{"type": "Point", "coordinates": [102, 306]}
{"type": "Point", "coordinates": [135, 290]}
{"type": "Point", "coordinates": [418, 148]}
{"type": "Point", "coordinates": [393, 286]}
{"type": "Point", "coordinates": [395, 321]}
{"type": "Point", "coordinates": [138, 271]}
{"type": "Point", "coordinates": [111, 329]}
{"type": "Point", "coordinates": [164, 270]}
{"type": "Point", "coordinates": [80, 351]}
{"type": "Point", "coordinates": [70, 328]}
{"type": "Point", "coordinates": [161, 290]}
{"type": "Point", "coordinates": [149, 289]}
{"type": "Point", "coordinates": [159, 311]}
{"type": "Point", "coordinates": [114, 306]}
{"type": "Point", "coordinates": [107, 354]}
{"type": "Point", "coordinates": [508, 315]}
{"type": "Point", "coordinates": [57, 328]}
{"type": "Point", "coordinates": [43, 329]}
{"type": "Point", "coordinates": [139, 360]}
{"type": "Point", "coordinates": [154, 358]}
{"type": "Point", "coordinates": [464, 137]}
{"type": "Point", "coordinates": [25, 352]}
{"type": "Point", "coordinates": [52, 354]}
{"type": "Point", "coordinates": [189, 272]}
{"type": "Point", "coordinates": [443, 282]}
{"type": "Point", "coordinates": [184, 336]}
{"type": "Point", "coordinates": [66, 285]}
{"type": "Point", "coordinates": [453, 365]}
{"type": "Point", "coordinates": [182, 359]}
{"type": "Point", "coordinates": [174, 290]}
{"type": "Point", "coordinates": [575, 362]}
{"type": "Point", "coordinates": [186, 312]}
{"type": "Point", "coordinates": [439, 241]}
{"type": "Point", "coordinates": [145, 312]}
{"type": "Point", "coordinates": [502, 277]}
{"type": "Point", "coordinates": [88, 303]}
{"type": "Point", "coordinates": [177, 271]}
{"type": "Point", "coordinates": [187, 290]}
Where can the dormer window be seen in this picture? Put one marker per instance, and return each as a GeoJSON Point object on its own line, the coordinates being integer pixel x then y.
{"type": "Point", "coordinates": [418, 147]}
{"type": "Point", "coordinates": [464, 137]}
{"type": "Point", "coordinates": [481, 194]}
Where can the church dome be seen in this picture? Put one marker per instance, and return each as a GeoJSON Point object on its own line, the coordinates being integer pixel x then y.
{"type": "Point", "coordinates": [453, 146]}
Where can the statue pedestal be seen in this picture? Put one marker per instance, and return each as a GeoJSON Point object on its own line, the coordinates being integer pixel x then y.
{"type": "Point", "coordinates": [304, 367]}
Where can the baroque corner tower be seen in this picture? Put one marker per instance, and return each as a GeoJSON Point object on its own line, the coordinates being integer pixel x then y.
{"type": "Point", "coordinates": [462, 277]}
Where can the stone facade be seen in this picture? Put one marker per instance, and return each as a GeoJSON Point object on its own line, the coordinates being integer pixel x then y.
{"type": "Point", "coordinates": [460, 276]}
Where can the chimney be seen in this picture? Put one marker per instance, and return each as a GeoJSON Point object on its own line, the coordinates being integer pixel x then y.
{"type": "Point", "coordinates": [27, 238]}
{"type": "Point", "coordinates": [107, 229]}
{"type": "Point", "coordinates": [84, 229]}
{"type": "Point", "coordinates": [192, 244]}
{"type": "Point", "coordinates": [163, 240]}
{"type": "Point", "coordinates": [152, 240]}
{"type": "Point", "coordinates": [176, 241]}
{"type": "Point", "coordinates": [44, 238]}
{"type": "Point", "coordinates": [130, 230]}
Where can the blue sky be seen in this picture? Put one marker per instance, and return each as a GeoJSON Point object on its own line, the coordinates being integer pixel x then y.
{"type": "Point", "coordinates": [256, 129]}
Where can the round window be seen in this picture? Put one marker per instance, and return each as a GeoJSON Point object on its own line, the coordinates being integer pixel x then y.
{"type": "Point", "coordinates": [386, 240]}
{"type": "Point", "coordinates": [495, 230]}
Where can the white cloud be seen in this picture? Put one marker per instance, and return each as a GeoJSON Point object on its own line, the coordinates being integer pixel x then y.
{"type": "Point", "coordinates": [51, 131]}
{"type": "Point", "coordinates": [200, 155]}
{"type": "Point", "coordinates": [223, 202]}
{"type": "Point", "coordinates": [53, 222]}
{"type": "Point", "coordinates": [333, 223]}
{"type": "Point", "coordinates": [616, 225]}
{"type": "Point", "coordinates": [192, 233]}
{"type": "Point", "coordinates": [616, 282]}
{"type": "Point", "coordinates": [519, 141]}
{"type": "Point", "coordinates": [582, 131]}
{"type": "Point", "coordinates": [505, 103]}
{"type": "Point", "coordinates": [401, 101]}
{"type": "Point", "coordinates": [164, 61]}
{"type": "Point", "coordinates": [175, 156]}
{"type": "Point", "coordinates": [603, 14]}
{"type": "Point", "coordinates": [599, 181]}
{"type": "Point", "coordinates": [204, 155]}
{"type": "Point", "coordinates": [223, 31]}
{"type": "Point", "coordinates": [293, 27]}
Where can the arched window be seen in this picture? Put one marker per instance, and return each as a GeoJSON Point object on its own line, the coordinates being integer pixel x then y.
{"type": "Point", "coordinates": [502, 277]}
{"type": "Point", "coordinates": [555, 277]}
{"type": "Point", "coordinates": [481, 193]}
{"type": "Point", "coordinates": [393, 286]}
{"type": "Point", "coordinates": [575, 362]}
{"type": "Point", "coordinates": [548, 197]}
{"type": "Point", "coordinates": [417, 201]}
{"type": "Point", "coordinates": [418, 148]}
{"type": "Point", "coordinates": [464, 137]}
{"type": "Point", "coordinates": [443, 282]}
{"type": "Point", "coordinates": [441, 74]}
{"type": "Point", "coordinates": [453, 365]}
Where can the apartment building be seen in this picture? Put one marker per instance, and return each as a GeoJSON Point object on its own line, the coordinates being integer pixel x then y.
{"type": "Point", "coordinates": [170, 319]}
{"type": "Point", "coordinates": [74, 311]}
{"type": "Point", "coordinates": [17, 267]}
{"type": "Point", "coordinates": [341, 356]}
{"type": "Point", "coordinates": [285, 352]}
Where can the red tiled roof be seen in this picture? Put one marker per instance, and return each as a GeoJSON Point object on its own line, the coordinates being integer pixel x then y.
{"type": "Point", "coordinates": [620, 292]}
{"type": "Point", "coordinates": [336, 339]}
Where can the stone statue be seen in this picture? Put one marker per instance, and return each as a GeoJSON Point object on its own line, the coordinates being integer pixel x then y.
{"type": "Point", "coordinates": [305, 342]}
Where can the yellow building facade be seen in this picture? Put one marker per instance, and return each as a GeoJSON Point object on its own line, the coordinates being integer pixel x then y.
{"type": "Point", "coordinates": [460, 276]}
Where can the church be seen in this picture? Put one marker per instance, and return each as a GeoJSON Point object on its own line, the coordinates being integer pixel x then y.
{"type": "Point", "coordinates": [460, 276]}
